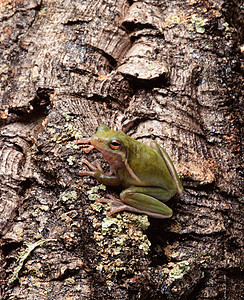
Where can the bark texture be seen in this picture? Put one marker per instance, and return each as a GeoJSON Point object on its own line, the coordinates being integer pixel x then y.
{"type": "Point", "coordinates": [164, 70]}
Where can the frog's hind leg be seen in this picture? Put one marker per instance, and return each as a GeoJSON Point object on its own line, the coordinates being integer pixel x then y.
{"type": "Point", "coordinates": [140, 202]}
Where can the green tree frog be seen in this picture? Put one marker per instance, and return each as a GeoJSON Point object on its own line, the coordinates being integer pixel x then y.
{"type": "Point", "coordinates": [147, 173]}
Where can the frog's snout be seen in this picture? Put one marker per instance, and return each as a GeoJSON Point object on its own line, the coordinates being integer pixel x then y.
{"type": "Point", "coordinates": [95, 140]}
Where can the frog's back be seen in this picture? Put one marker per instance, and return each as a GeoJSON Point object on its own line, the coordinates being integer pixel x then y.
{"type": "Point", "coordinates": [149, 166]}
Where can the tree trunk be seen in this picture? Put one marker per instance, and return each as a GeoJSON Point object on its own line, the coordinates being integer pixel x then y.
{"type": "Point", "coordinates": [163, 70]}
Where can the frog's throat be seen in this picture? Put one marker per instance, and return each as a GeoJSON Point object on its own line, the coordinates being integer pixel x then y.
{"type": "Point", "coordinates": [132, 174]}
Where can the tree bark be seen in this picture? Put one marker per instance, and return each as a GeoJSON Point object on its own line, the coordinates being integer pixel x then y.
{"type": "Point", "coordinates": [164, 70]}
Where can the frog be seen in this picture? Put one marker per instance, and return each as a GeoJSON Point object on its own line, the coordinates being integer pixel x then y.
{"type": "Point", "coordinates": [146, 173]}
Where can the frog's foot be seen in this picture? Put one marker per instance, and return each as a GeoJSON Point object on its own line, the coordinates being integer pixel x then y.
{"type": "Point", "coordinates": [85, 141]}
{"type": "Point", "coordinates": [97, 172]}
{"type": "Point", "coordinates": [115, 205]}
{"type": "Point", "coordinates": [93, 168]}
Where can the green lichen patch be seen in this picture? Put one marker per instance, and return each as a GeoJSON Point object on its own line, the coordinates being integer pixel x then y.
{"type": "Point", "coordinates": [68, 197]}
{"type": "Point", "coordinates": [116, 237]}
{"type": "Point", "coordinates": [62, 134]}
{"type": "Point", "coordinates": [71, 160]}
{"type": "Point", "coordinates": [123, 220]}
{"type": "Point", "coordinates": [120, 238]}
{"type": "Point", "coordinates": [226, 26]}
{"type": "Point", "coordinates": [22, 258]}
{"type": "Point", "coordinates": [198, 24]}
{"type": "Point", "coordinates": [97, 188]}
{"type": "Point", "coordinates": [179, 269]}
{"type": "Point", "coordinates": [68, 117]}
{"type": "Point", "coordinates": [93, 193]}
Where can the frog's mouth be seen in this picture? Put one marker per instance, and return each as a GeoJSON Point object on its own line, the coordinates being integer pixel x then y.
{"type": "Point", "coordinates": [94, 143]}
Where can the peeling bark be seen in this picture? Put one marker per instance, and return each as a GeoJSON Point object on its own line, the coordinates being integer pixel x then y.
{"type": "Point", "coordinates": [164, 70]}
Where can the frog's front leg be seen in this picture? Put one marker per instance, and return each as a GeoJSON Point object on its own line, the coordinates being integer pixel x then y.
{"type": "Point", "coordinates": [98, 173]}
{"type": "Point", "coordinates": [140, 200]}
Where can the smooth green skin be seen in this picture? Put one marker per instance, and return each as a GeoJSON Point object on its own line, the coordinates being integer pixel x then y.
{"type": "Point", "coordinates": [147, 173]}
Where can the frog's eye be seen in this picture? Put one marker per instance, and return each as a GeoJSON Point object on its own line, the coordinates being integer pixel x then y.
{"type": "Point", "coordinates": [115, 144]}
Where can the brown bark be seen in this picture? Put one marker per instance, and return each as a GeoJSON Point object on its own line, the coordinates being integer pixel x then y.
{"type": "Point", "coordinates": [167, 70]}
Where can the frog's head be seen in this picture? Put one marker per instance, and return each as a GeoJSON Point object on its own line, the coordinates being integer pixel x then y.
{"type": "Point", "coordinates": [112, 144]}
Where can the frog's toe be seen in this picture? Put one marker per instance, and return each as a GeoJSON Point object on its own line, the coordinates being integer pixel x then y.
{"type": "Point", "coordinates": [115, 204]}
